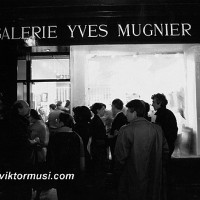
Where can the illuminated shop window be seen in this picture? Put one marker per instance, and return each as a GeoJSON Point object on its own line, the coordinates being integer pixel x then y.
{"type": "Point", "coordinates": [55, 68]}
{"type": "Point", "coordinates": [105, 72]}
{"type": "Point", "coordinates": [46, 93]}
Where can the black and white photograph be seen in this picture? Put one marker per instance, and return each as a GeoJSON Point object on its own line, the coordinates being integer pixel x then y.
{"type": "Point", "coordinates": [99, 100]}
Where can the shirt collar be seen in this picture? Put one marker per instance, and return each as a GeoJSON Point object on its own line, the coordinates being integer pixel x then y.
{"type": "Point", "coordinates": [118, 114]}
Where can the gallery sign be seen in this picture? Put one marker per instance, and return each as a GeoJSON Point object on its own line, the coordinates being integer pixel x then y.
{"type": "Point", "coordinates": [101, 32]}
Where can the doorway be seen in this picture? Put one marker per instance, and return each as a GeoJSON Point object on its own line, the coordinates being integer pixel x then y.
{"type": "Point", "coordinates": [44, 81]}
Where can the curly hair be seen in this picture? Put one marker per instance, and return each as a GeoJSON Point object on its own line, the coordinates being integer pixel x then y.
{"type": "Point", "coordinates": [160, 99]}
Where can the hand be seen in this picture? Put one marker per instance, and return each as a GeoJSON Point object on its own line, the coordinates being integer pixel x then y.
{"type": "Point", "coordinates": [116, 132]}
{"type": "Point", "coordinates": [108, 130]}
{"type": "Point", "coordinates": [37, 140]}
{"type": "Point", "coordinates": [109, 136]}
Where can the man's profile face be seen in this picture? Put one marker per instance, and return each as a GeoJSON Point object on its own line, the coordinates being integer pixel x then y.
{"type": "Point", "coordinates": [113, 109]}
{"type": "Point", "coordinates": [155, 104]}
{"type": "Point", "coordinates": [130, 115]}
{"type": "Point", "coordinates": [101, 111]}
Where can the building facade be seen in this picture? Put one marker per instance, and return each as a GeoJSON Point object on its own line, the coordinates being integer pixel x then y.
{"type": "Point", "coordinates": [88, 51]}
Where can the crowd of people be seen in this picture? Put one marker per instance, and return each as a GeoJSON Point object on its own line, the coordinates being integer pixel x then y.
{"type": "Point", "coordinates": [80, 143]}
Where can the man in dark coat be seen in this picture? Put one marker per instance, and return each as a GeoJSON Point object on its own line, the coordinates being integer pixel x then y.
{"type": "Point", "coordinates": [119, 120]}
{"type": "Point", "coordinates": [20, 151]}
{"type": "Point", "coordinates": [166, 119]}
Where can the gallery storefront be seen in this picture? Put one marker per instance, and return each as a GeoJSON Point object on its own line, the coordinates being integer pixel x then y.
{"type": "Point", "coordinates": [97, 53]}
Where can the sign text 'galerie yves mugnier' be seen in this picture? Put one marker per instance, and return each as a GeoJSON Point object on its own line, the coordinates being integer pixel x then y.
{"type": "Point", "coordinates": [96, 31]}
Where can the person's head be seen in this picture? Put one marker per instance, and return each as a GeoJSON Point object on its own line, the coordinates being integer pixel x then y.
{"type": "Point", "coordinates": [82, 114]}
{"type": "Point", "coordinates": [20, 107]}
{"type": "Point", "coordinates": [67, 103]}
{"type": "Point", "coordinates": [135, 108]}
{"type": "Point", "coordinates": [117, 105]}
{"type": "Point", "coordinates": [98, 109]}
{"type": "Point", "coordinates": [159, 101]}
{"type": "Point", "coordinates": [66, 119]}
{"type": "Point", "coordinates": [52, 107]}
{"type": "Point", "coordinates": [34, 115]}
{"type": "Point", "coordinates": [147, 107]}
{"type": "Point", "coordinates": [41, 110]}
{"type": "Point", "coordinates": [59, 105]}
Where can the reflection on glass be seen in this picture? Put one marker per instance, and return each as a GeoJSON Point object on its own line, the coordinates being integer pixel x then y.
{"type": "Point", "coordinates": [21, 91]}
{"type": "Point", "coordinates": [21, 70]}
{"type": "Point", "coordinates": [50, 69]}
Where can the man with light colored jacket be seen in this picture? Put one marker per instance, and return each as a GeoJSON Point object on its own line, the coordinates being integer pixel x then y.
{"type": "Point", "coordinates": [140, 151]}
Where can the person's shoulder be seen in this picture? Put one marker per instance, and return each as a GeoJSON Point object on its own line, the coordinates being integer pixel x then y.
{"type": "Point", "coordinates": [76, 137]}
{"type": "Point", "coordinates": [167, 110]}
{"type": "Point", "coordinates": [96, 119]}
{"type": "Point", "coordinates": [72, 134]}
{"type": "Point", "coordinates": [126, 127]}
{"type": "Point", "coordinates": [51, 114]}
{"type": "Point", "coordinates": [42, 125]}
{"type": "Point", "coordinates": [169, 113]}
{"type": "Point", "coordinates": [156, 126]}
{"type": "Point", "coordinates": [122, 115]}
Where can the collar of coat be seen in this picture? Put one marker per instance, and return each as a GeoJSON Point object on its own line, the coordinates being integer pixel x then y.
{"type": "Point", "coordinates": [138, 119]}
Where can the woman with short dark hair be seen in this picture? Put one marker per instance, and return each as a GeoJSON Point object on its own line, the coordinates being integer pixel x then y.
{"type": "Point", "coordinates": [98, 147]}
{"type": "Point", "coordinates": [68, 157]}
{"type": "Point", "coordinates": [82, 117]}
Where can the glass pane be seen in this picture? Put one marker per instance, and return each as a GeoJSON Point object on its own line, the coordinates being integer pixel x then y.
{"type": "Point", "coordinates": [103, 73]}
{"type": "Point", "coordinates": [140, 77]}
{"type": "Point", "coordinates": [21, 70]}
{"type": "Point", "coordinates": [45, 93]}
{"type": "Point", "coordinates": [21, 91]}
{"type": "Point", "coordinates": [50, 69]}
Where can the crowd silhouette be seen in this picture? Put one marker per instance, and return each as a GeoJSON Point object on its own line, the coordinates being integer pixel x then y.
{"type": "Point", "coordinates": [89, 143]}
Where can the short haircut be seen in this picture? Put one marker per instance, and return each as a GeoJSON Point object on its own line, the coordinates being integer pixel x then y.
{"type": "Point", "coordinates": [118, 103]}
{"type": "Point", "coordinates": [97, 106]}
{"type": "Point", "coordinates": [67, 103]}
{"type": "Point", "coordinates": [67, 119]}
{"type": "Point", "coordinates": [147, 106]}
{"type": "Point", "coordinates": [82, 113]}
{"type": "Point", "coordinates": [160, 99]}
{"type": "Point", "coordinates": [59, 103]}
{"type": "Point", "coordinates": [138, 106]}
{"type": "Point", "coordinates": [17, 104]}
{"type": "Point", "coordinates": [35, 115]}
{"type": "Point", "coordinates": [52, 106]}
